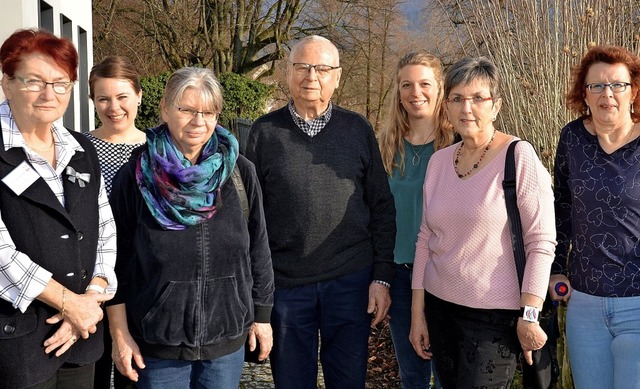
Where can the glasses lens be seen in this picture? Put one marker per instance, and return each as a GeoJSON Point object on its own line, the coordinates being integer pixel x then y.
{"type": "Point", "coordinates": [596, 88]}
{"type": "Point", "coordinates": [209, 116]}
{"type": "Point", "coordinates": [62, 87]}
{"type": "Point", "coordinates": [301, 67]}
{"type": "Point", "coordinates": [619, 87]}
{"type": "Point", "coordinates": [34, 85]}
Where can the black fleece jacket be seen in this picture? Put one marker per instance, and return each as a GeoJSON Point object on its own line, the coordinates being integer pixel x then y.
{"type": "Point", "coordinates": [192, 294]}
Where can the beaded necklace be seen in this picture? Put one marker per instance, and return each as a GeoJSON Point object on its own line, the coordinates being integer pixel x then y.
{"type": "Point", "coordinates": [475, 165]}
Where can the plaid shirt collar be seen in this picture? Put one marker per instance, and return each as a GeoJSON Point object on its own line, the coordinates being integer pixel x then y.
{"type": "Point", "coordinates": [312, 127]}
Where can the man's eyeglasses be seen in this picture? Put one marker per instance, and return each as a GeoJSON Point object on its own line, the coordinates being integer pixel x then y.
{"type": "Point", "coordinates": [616, 87]}
{"type": "Point", "coordinates": [475, 100]}
{"type": "Point", "coordinates": [35, 85]}
{"type": "Point", "coordinates": [190, 113]}
{"type": "Point", "coordinates": [305, 68]}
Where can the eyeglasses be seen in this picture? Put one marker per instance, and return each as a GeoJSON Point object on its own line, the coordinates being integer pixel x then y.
{"type": "Point", "coordinates": [475, 100]}
{"type": "Point", "coordinates": [303, 69]}
{"type": "Point", "coordinates": [35, 85]}
{"type": "Point", "coordinates": [616, 87]}
{"type": "Point", "coordinates": [190, 113]}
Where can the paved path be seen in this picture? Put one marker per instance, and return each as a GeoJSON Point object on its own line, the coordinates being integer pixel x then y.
{"type": "Point", "coordinates": [259, 377]}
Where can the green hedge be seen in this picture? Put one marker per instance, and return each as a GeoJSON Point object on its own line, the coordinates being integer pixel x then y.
{"type": "Point", "coordinates": [243, 98]}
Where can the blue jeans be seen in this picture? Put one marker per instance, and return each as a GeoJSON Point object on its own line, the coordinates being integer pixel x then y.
{"type": "Point", "coordinates": [603, 335]}
{"type": "Point", "coordinates": [338, 310]}
{"type": "Point", "coordinates": [414, 371]}
{"type": "Point", "coordinates": [223, 372]}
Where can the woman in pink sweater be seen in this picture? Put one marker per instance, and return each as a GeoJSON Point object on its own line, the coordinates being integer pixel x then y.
{"type": "Point", "coordinates": [466, 298]}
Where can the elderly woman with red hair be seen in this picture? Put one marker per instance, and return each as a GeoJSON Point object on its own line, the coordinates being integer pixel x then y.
{"type": "Point", "coordinates": [57, 234]}
{"type": "Point", "coordinates": [598, 219]}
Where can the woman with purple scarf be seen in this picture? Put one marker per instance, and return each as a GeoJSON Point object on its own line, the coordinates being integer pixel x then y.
{"type": "Point", "coordinates": [195, 268]}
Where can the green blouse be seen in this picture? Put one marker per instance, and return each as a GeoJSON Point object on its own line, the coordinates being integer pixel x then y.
{"type": "Point", "coordinates": [407, 193]}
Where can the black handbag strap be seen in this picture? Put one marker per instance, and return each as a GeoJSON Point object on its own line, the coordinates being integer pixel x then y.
{"type": "Point", "coordinates": [510, 196]}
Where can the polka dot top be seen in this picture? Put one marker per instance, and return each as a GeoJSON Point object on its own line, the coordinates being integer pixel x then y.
{"type": "Point", "coordinates": [112, 156]}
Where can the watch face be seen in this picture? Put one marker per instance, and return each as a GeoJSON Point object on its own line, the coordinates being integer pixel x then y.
{"type": "Point", "coordinates": [530, 313]}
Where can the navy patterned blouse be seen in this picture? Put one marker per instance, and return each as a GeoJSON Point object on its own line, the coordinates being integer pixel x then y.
{"type": "Point", "coordinates": [597, 204]}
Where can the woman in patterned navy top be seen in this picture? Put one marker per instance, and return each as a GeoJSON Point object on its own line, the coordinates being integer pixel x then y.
{"type": "Point", "coordinates": [114, 87]}
{"type": "Point", "coordinates": [597, 188]}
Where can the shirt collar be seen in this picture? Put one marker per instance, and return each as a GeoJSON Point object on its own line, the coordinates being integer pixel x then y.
{"type": "Point", "coordinates": [314, 126]}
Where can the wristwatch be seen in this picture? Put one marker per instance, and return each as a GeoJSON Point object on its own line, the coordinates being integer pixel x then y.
{"type": "Point", "coordinates": [530, 314]}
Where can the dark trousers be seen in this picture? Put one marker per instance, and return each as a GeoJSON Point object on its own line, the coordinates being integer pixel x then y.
{"type": "Point", "coordinates": [70, 377]}
{"type": "Point", "coordinates": [472, 348]}
{"type": "Point", "coordinates": [337, 309]}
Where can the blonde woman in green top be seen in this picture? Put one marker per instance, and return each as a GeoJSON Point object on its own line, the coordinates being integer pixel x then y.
{"type": "Point", "coordinates": [415, 129]}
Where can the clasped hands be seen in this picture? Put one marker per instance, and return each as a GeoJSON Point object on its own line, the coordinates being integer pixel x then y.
{"type": "Point", "coordinates": [81, 316]}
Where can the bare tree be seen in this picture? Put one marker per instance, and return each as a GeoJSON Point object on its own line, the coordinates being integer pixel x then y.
{"type": "Point", "coordinates": [242, 36]}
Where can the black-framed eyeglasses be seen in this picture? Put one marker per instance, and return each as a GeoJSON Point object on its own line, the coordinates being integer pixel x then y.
{"type": "Point", "coordinates": [302, 68]}
{"type": "Point", "coordinates": [190, 113]}
{"type": "Point", "coordinates": [616, 87]}
{"type": "Point", "coordinates": [36, 85]}
{"type": "Point", "coordinates": [475, 100]}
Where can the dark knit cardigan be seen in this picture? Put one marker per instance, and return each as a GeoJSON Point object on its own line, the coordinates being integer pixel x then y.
{"type": "Point", "coordinates": [327, 201]}
{"type": "Point", "coordinates": [63, 240]}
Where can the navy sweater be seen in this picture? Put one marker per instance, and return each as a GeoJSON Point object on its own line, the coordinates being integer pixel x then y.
{"type": "Point", "coordinates": [328, 206]}
{"type": "Point", "coordinates": [597, 214]}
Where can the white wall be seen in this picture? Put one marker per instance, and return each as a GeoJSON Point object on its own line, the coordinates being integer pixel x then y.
{"type": "Point", "coordinates": [68, 18]}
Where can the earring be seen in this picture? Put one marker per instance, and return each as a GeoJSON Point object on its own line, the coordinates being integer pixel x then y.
{"type": "Point", "coordinates": [139, 103]}
{"type": "Point", "coordinates": [494, 119]}
{"type": "Point", "coordinates": [588, 111]}
{"type": "Point", "coordinates": [633, 110]}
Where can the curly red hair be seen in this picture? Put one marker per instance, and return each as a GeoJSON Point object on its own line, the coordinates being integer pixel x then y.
{"type": "Point", "coordinates": [605, 54]}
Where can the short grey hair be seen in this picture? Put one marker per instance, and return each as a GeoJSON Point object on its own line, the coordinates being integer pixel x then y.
{"type": "Point", "coordinates": [315, 39]}
{"type": "Point", "coordinates": [202, 80]}
{"type": "Point", "coordinates": [468, 70]}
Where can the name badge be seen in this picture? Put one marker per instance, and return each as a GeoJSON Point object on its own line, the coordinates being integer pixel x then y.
{"type": "Point", "coordinates": [21, 178]}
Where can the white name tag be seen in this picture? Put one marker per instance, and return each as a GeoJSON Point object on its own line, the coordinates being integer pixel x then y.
{"type": "Point", "coordinates": [21, 178]}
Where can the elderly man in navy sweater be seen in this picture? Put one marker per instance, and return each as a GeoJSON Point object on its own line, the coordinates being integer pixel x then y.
{"type": "Point", "coordinates": [331, 224]}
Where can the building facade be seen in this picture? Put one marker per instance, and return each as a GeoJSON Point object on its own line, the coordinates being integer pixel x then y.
{"type": "Point", "coordinates": [66, 18]}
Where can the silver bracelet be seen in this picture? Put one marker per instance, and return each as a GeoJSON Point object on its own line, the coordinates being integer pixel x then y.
{"type": "Point", "coordinates": [383, 283]}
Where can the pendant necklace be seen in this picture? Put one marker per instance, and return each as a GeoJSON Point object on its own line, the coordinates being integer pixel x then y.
{"type": "Point", "coordinates": [415, 161]}
{"type": "Point", "coordinates": [475, 165]}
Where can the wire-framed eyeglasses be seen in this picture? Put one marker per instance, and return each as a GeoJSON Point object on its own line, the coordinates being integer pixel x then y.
{"type": "Point", "coordinates": [303, 69]}
{"type": "Point", "coordinates": [474, 100]}
{"type": "Point", "coordinates": [36, 85]}
{"type": "Point", "coordinates": [190, 113]}
{"type": "Point", "coordinates": [616, 87]}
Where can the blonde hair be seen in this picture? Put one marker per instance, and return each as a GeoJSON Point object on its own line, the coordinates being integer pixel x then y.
{"type": "Point", "coordinates": [391, 137]}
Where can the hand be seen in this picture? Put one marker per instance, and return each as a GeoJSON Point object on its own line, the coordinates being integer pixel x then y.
{"type": "Point", "coordinates": [531, 337]}
{"type": "Point", "coordinates": [379, 302]}
{"type": "Point", "coordinates": [264, 334]}
{"type": "Point", "coordinates": [62, 339]}
{"type": "Point", "coordinates": [419, 336]}
{"type": "Point", "coordinates": [555, 279]}
{"type": "Point", "coordinates": [124, 350]}
{"type": "Point", "coordinates": [82, 312]}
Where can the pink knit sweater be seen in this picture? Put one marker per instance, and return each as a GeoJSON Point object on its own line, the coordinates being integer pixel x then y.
{"type": "Point", "coordinates": [464, 253]}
